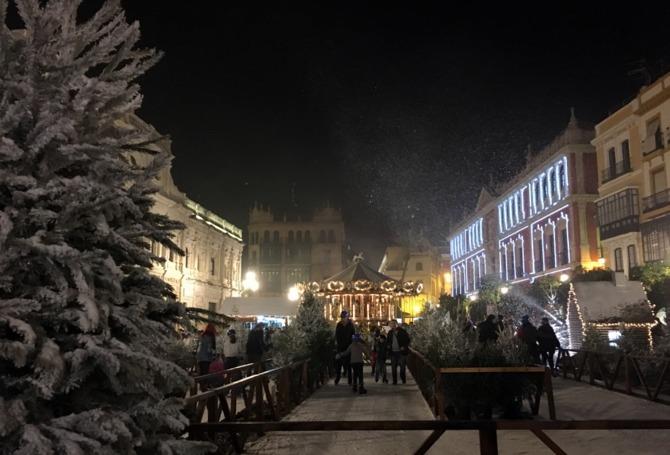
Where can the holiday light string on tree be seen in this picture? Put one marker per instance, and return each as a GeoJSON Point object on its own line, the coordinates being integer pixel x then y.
{"type": "Point", "coordinates": [575, 321]}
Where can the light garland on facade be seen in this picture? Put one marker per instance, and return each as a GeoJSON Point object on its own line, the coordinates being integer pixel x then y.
{"type": "Point", "coordinates": [575, 320]}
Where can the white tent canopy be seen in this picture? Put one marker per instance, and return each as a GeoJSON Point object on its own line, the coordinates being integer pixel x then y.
{"type": "Point", "coordinates": [260, 306]}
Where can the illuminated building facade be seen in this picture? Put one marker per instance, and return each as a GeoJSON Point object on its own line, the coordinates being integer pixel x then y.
{"type": "Point", "coordinates": [210, 271]}
{"type": "Point", "coordinates": [541, 222]}
{"type": "Point", "coordinates": [633, 147]}
{"type": "Point", "coordinates": [287, 251]}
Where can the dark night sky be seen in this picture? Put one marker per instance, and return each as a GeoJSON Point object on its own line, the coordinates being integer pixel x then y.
{"type": "Point", "coordinates": [397, 115]}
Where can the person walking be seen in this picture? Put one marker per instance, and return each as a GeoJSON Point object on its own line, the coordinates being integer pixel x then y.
{"type": "Point", "coordinates": [488, 330]}
{"type": "Point", "coordinates": [381, 348]}
{"type": "Point", "coordinates": [232, 350]}
{"type": "Point", "coordinates": [398, 344]}
{"type": "Point", "coordinates": [355, 352]}
{"type": "Point", "coordinates": [548, 343]}
{"type": "Point", "coordinates": [206, 349]}
{"type": "Point", "coordinates": [373, 358]}
{"type": "Point", "coordinates": [344, 332]}
{"type": "Point", "coordinates": [256, 344]}
{"type": "Point", "coordinates": [528, 334]}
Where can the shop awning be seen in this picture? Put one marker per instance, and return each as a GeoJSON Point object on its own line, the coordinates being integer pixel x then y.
{"type": "Point", "coordinates": [259, 306]}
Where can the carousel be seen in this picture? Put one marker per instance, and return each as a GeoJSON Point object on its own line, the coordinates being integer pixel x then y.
{"type": "Point", "coordinates": [369, 296]}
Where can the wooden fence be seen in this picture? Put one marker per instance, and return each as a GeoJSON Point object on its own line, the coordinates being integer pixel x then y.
{"type": "Point", "coordinates": [431, 382]}
{"type": "Point", "coordinates": [619, 372]}
{"type": "Point", "coordinates": [292, 383]}
{"type": "Point", "coordinates": [488, 438]}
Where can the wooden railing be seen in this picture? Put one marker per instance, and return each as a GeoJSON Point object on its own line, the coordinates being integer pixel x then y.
{"type": "Point", "coordinates": [488, 438]}
{"type": "Point", "coordinates": [619, 372]}
{"type": "Point", "coordinates": [431, 382]}
{"type": "Point", "coordinates": [293, 386]}
{"type": "Point", "coordinates": [203, 382]}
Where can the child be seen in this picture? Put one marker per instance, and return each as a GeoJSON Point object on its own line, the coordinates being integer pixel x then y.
{"type": "Point", "coordinates": [356, 350]}
{"type": "Point", "coordinates": [380, 365]}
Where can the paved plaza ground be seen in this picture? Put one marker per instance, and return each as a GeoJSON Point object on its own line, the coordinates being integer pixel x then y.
{"type": "Point", "coordinates": [574, 401]}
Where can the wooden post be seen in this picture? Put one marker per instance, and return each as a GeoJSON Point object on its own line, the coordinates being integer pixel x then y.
{"type": "Point", "coordinates": [629, 388]}
{"type": "Point", "coordinates": [488, 440]}
{"type": "Point", "coordinates": [549, 389]}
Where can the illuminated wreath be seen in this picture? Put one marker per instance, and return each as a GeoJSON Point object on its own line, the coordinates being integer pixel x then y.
{"type": "Point", "coordinates": [362, 285]}
{"type": "Point", "coordinates": [408, 286]}
{"type": "Point", "coordinates": [335, 286]}
{"type": "Point", "coordinates": [388, 286]}
{"type": "Point", "coordinates": [314, 286]}
{"type": "Point", "coordinates": [419, 287]}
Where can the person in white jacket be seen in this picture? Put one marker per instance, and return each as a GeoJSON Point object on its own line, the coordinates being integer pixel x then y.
{"type": "Point", "coordinates": [232, 351]}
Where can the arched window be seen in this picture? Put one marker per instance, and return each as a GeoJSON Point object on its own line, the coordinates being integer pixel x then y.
{"type": "Point", "coordinates": [290, 236]}
{"type": "Point", "coordinates": [331, 236]}
{"type": "Point", "coordinates": [419, 266]}
{"type": "Point", "coordinates": [298, 236]}
{"type": "Point", "coordinates": [275, 236]}
{"type": "Point", "coordinates": [308, 236]}
{"type": "Point", "coordinates": [266, 236]}
{"type": "Point", "coordinates": [322, 236]}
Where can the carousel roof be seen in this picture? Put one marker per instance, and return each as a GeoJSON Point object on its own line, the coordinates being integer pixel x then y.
{"type": "Point", "coordinates": [359, 270]}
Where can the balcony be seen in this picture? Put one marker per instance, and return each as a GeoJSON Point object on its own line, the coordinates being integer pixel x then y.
{"type": "Point", "coordinates": [618, 213]}
{"type": "Point", "coordinates": [622, 226]}
{"type": "Point", "coordinates": [655, 201]}
{"type": "Point", "coordinates": [653, 143]}
{"type": "Point", "coordinates": [620, 168]}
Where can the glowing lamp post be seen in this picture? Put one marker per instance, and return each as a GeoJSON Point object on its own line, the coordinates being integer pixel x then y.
{"type": "Point", "coordinates": [250, 282]}
{"type": "Point", "coordinates": [504, 290]}
{"type": "Point", "coordinates": [564, 277]}
{"type": "Point", "coordinates": [293, 294]}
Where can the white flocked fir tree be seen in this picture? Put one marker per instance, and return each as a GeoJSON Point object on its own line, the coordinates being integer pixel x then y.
{"type": "Point", "coordinates": [83, 325]}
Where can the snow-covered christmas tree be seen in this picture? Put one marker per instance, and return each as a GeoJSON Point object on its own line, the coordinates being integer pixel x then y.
{"type": "Point", "coordinates": [83, 325]}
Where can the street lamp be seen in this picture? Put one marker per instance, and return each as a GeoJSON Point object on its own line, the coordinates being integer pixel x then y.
{"type": "Point", "coordinates": [293, 294]}
{"type": "Point", "coordinates": [250, 282]}
{"type": "Point", "coordinates": [504, 290]}
{"type": "Point", "coordinates": [564, 277]}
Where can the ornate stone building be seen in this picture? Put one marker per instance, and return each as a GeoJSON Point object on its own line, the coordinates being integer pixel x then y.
{"type": "Point", "coordinates": [285, 251]}
{"type": "Point", "coordinates": [633, 146]}
{"type": "Point", "coordinates": [541, 222]}
{"type": "Point", "coordinates": [211, 269]}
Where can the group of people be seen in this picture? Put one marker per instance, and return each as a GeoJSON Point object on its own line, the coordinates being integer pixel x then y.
{"type": "Point", "coordinates": [541, 341]}
{"type": "Point", "coordinates": [351, 347]}
{"type": "Point", "coordinates": [211, 360]}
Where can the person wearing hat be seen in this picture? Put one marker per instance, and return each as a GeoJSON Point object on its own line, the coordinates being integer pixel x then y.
{"type": "Point", "coordinates": [344, 331]}
{"type": "Point", "coordinates": [232, 350]}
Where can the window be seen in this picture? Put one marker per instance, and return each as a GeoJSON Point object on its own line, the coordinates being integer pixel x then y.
{"type": "Point", "coordinates": [419, 266]}
{"type": "Point", "coordinates": [563, 248]}
{"type": "Point", "coordinates": [322, 236]}
{"type": "Point", "coordinates": [561, 178]}
{"type": "Point", "coordinates": [331, 236]}
{"type": "Point", "coordinates": [632, 257]}
{"type": "Point", "coordinates": [298, 236]}
{"type": "Point", "coordinates": [550, 260]}
{"type": "Point", "coordinates": [625, 155]}
{"type": "Point", "coordinates": [290, 236]}
{"type": "Point", "coordinates": [266, 236]}
{"type": "Point", "coordinates": [308, 236]}
{"type": "Point", "coordinates": [618, 260]}
{"type": "Point", "coordinates": [186, 257]}
{"type": "Point", "coordinates": [212, 266]}
{"type": "Point", "coordinates": [611, 161]}
{"type": "Point", "coordinates": [275, 236]}
{"type": "Point", "coordinates": [510, 262]}
{"type": "Point", "coordinates": [171, 255]}
{"type": "Point", "coordinates": [539, 256]}
{"type": "Point", "coordinates": [212, 307]}
{"type": "Point", "coordinates": [519, 260]}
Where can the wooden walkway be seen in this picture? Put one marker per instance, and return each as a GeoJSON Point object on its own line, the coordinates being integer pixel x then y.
{"type": "Point", "coordinates": [404, 402]}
